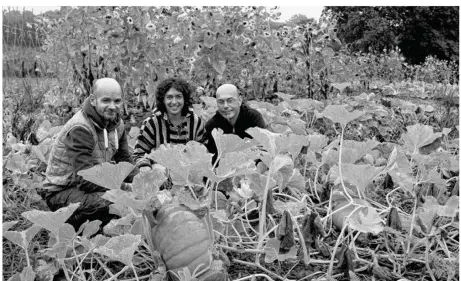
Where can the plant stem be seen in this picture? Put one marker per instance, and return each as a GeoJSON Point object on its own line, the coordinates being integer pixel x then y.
{"type": "Point", "coordinates": [426, 256]}
{"type": "Point", "coordinates": [340, 166]}
{"type": "Point", "coordinates": [411, 231]}
{"type": "Point", "coordinates": [306, 256]}
{"type": "Point", "coordinates": [262, 217]}
{"type": "Point", "coordinates": [258, 266]}
{"type": "Point", "coordinates": [114, 277]}
{"type": "Point", "coordinates": [338, 241]}
{"type": "Point", "coordinates": [253, 276]}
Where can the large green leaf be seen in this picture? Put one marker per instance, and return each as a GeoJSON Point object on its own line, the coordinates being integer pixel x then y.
{"type": "Point", "coordinates": [22, 238]}
{"type": "Point", "coordinates": [226, 143]}
{"type": "Point", "coordinates": [121, 248]}
{"type": "Point", "coordinates": [148, 183]}
{"type": "Point", "coordinates": [51, 221]}
{"type": "Point", "coordinates": [107, 175]}
{"type": "Point", "coordinates": [339, 114]}
{"type": "Point", "coordinates": [361, 216]}
{"type": "Point", "coordinates": [360, 175]}
{"type": "Point", "coordinates": [418, 136]}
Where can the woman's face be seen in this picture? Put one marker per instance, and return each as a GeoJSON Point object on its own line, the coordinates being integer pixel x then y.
{"type": "Point", "coordinates": [174, 102]}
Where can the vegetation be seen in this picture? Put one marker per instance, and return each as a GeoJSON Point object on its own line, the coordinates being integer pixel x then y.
{"type": "Point", "coordinates": [358, 176]}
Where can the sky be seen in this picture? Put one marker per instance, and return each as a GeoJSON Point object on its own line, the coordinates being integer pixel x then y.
{"type": "Point", "coordinates": [287, 11]}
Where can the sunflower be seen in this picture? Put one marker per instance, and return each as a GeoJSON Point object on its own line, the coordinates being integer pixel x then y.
{"type": "Point", "coordinates": [150, 27]}
{"type": "Point", "coordinates": [129, 20]}
{"type": "Point", "coordinates": [247, 41]}
{"type": "Point", "coordinates": [244, 72]}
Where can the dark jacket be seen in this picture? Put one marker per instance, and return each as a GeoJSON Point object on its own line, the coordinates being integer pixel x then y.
{"type": "Point", "coordinates": [248, 118]}
{"type": "Point", "coordinates": [82, 144]}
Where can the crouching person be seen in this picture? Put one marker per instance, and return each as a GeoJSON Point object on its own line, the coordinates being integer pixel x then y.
{"type": "Point", "coordinates": [94, 135]}
{"type": "Point", "coordinates": [173, 121]}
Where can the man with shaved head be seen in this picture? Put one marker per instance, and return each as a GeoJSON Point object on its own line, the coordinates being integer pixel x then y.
{"type": "Point", "coordinates": [233, 116]}
{"type": "Point", "coordinates": [94, 135]}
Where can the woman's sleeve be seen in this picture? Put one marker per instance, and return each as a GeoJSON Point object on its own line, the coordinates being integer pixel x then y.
{"type": "Point", "coordinates": [144, 143]}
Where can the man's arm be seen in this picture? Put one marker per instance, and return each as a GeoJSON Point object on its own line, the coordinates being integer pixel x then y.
{"type": "Point", "coordinates": [258, 119]}
{"type": "Point", "coordinates": [123, 152]}
{"type": "Point", "coordinates": [208, 140]}
{"type": "Point", "coordinates": [79, 145]}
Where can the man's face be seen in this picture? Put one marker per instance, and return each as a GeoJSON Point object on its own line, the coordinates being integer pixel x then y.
{"type": "Point", "coordinates": [229, 103]}
{"type": "Point", "coordinates": [108, 102]}
{"type": "Point", "coordinates": [174, 102]}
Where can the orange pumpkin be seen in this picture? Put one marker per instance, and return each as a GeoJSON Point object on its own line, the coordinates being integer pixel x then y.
{"type": "Point", "coordinates": [182, 240]}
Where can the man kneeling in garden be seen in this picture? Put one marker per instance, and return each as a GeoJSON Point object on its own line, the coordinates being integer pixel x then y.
{"type": "Point", "coordinates": [94, 135]}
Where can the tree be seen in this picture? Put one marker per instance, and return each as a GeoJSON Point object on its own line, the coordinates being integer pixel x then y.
{"type": "Point", "coordinates": [299, 19]}
{"type": "Point", "coordinates": [417, 31]}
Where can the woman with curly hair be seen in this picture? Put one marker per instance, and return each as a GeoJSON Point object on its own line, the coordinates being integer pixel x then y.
{"type": "Point", "coordinates": [173, 121]}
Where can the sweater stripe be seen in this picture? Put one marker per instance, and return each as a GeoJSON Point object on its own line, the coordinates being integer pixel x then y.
{"type": "Point", "coordinates": [156, 130]}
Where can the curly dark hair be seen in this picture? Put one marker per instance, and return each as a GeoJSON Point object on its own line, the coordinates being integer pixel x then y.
{"type": "Point", "coordinates": [179, 85]}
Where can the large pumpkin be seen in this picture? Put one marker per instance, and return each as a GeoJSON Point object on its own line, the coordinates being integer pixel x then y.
{"type": "Point", "coordinates": [183, 241]}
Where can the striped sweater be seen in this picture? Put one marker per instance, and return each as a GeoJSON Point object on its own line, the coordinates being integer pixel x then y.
{"type": "Point", "coordinates": [157, 130]}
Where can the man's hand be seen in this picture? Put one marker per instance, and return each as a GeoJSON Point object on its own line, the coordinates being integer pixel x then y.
{"type": "Point", "coordinates": [145, 169]}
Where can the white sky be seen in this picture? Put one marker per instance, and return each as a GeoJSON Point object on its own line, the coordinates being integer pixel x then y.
{"type": "Point", "coordinates": [287, 11]}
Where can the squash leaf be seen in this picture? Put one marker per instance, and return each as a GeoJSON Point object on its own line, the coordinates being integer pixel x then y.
{"type": "Point", "coordinates": [181, 160]}
{"type": "Point", "coordinates": [227, 143]}
{"type": "Point", "coordinates": [292, 144]}
{"type": "Point", "coordinates": [398, 161]}
{"type": "Point", "coordinates": [8, 224]}
{"type": "Point", "coordinates": [360, 175]}
{"type": "Point", "coordinates": [418, 136]}
{"type": "Point", "coordinates": [296, 180]}
{"type": "Point", "coordinates": [339, 114]}
{"type": "Point", "coordinates": [124, 198]}
{"type": "Point", "coordinates": [121, 248]}
{"type": "Point", "coordinates": [266, 138]}
{"type": "Point", "coordinates": [91, 228]}
{"type": "Point", "coordinates": [51, 221]}
{"type": "Point", "coordinates": [448, 210]}
{"type": "Point", "coordinates": [294, 207]}
{"type": "Point", "coordinates": [272, 249]}
{"type": "Point", "coordinates": [404, 180]}
{"type": "Point", "coordinates": [362, 216]}
{"type": "Point", "coordinates": [148, 183]}
{"type": "Point", "coordinates": [284, 163]}
{"type": "Point", "coordinates": [285, 232]}
{"type": "Point", "coordinates": [107, 175]}
{"type": "Point", "coordinates": [66, 233]}
{"type": "Point", "coordinates": [16, 162]}
{"type": "Point", "coordinates": [22, 238]}
{"type": "Point", "coordinates": [27, 274]}
{"type": "Point", "coordinates": [236, 163]}
{"type": "Point", "coordinates": [317, 142]}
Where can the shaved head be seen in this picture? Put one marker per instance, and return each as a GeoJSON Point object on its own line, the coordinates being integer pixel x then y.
{"type": "Point", "coordinates": [107, 98]}
{"type": "Point", "coordinates": [106, 85]}
{"type": "Point", "coordinates": [229, 102]}
{"type": "Point", "coordinates": [228, 90]}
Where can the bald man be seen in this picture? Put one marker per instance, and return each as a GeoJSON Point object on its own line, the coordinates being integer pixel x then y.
{"type": "Point", "coordinates": [233, 116]}
{"type": "Point", "coordinates": [94, 135]}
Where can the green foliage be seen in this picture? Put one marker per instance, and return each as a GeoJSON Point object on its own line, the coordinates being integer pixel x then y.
{"type": "Point", "coordinates": [418, 31]}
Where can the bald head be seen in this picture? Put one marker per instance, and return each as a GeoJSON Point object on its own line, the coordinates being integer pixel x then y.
{"type": "Point", "coordinates": [229, 102]}
{"type": "Point", "coordinates": [107, 99]}
{"type": "Point", "coordinates": [227, 90]}
{"type": "Point", "coordinates": [106, 85]}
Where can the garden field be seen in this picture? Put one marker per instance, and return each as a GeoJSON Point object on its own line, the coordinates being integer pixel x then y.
{"type": "Point", "coordinates": [357, 175]}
